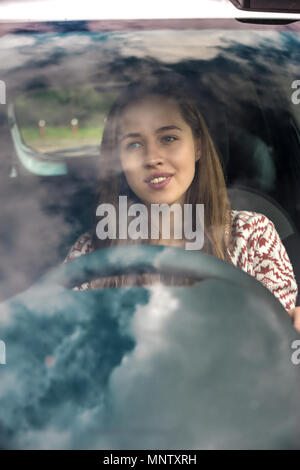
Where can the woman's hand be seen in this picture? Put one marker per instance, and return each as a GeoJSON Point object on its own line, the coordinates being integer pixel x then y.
{"type": "Point", "coordinates": [295, 314]}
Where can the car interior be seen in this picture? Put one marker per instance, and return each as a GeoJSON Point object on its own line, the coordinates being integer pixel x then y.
{"type": "Point", "coordinates": [48, 195]}
{"type": "Point", "coordinates": [203, 366]}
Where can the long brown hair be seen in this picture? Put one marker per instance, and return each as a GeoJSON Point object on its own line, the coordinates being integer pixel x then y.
{"type": "Point", "coordinates": [208, 186]}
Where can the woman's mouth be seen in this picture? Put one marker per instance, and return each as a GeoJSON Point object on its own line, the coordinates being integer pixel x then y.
{"type": "Point", "coordinates": [159, 182]}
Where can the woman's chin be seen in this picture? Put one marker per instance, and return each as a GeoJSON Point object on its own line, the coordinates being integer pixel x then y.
{"type": "Point", "coordinates": [162, 199]}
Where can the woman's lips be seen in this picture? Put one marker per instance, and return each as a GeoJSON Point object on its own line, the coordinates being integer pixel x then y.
{"type": "Point", "coordinates": [159, 182]}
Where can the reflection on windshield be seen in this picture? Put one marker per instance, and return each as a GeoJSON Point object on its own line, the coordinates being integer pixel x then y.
{"type": "Point", "coordinates": [61, 86]}
{"type": "Point", "coordinates": [67, 82]}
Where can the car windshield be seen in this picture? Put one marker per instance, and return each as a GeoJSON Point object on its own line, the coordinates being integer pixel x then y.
{"type": "Point", "coordinates": [58, 83]}
{"type": "Point", "coordinates": [61, 81]}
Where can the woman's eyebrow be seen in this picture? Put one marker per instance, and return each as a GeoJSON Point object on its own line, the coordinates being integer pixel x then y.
{"type": "Point", "coordinates": [128, 136]}
{"type": "Point", "coordinates": [168, 128]}
{"type": "Point", "coordinates": [158, 131]}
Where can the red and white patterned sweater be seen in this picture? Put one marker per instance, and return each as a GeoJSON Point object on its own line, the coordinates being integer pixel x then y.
{"type": "Point", "coordinates": [255, 247]}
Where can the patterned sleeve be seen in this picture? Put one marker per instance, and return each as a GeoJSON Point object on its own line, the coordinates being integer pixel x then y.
{"type": "Point", "coordinates": [258, 250]}
{"type": "Point", "coordinates": [82, 246]}
{"type": "Point", "coordinates": [273, 268]}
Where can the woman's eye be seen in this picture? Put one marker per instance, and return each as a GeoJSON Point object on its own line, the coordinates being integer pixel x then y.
{"type": "Point", "coordinates": [169, 138]}
{"type": "Point", "coordinates": [133, 145]}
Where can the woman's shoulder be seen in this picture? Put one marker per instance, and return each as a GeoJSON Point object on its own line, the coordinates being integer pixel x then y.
{"type": "Point", "coordinates": [257, 249]}
{"type": "Point", "coordinates": [249, 222]}
{"type": "Point", "coordinates": [250, 229]}
{"type": "Point", "coordinates": [82, 246]}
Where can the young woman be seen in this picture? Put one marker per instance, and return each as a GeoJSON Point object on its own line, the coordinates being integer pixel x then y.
{"type": "Point", "coordinates": [156, 149]}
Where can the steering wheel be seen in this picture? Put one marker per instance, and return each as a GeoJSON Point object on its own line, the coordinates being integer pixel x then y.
{"type": "Point", "coordinates": [204, 366]}
{"type": "Point", "coordinates": [152, 259]}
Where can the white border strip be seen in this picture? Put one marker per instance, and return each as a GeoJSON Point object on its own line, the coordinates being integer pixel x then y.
{"type": "Point", "coordinates": [75, 10]}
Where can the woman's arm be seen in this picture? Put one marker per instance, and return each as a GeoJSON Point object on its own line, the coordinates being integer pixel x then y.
{"type": "Point", "coordinates": [82, 246]}
{"type": "Point", "coordinates": [272, 266]}
{"type": "Point", "coordinates": [257, 249]}
{"type": "Point", "coordinates": [275, 270]}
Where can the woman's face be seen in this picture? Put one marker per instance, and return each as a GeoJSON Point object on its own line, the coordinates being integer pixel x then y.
{"type": "Point", "coordinates": [157, 150]}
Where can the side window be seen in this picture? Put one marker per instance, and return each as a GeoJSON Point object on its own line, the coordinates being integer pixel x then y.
{"type": "Point", "coordinates": [51, 126]}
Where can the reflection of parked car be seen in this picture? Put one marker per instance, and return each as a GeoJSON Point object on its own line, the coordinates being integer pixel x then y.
{"type": "Point", "coordinates": [204, 367]}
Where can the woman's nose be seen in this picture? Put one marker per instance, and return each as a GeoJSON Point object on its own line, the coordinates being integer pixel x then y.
{"type": "Point", "coordinates": [153, 155]}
